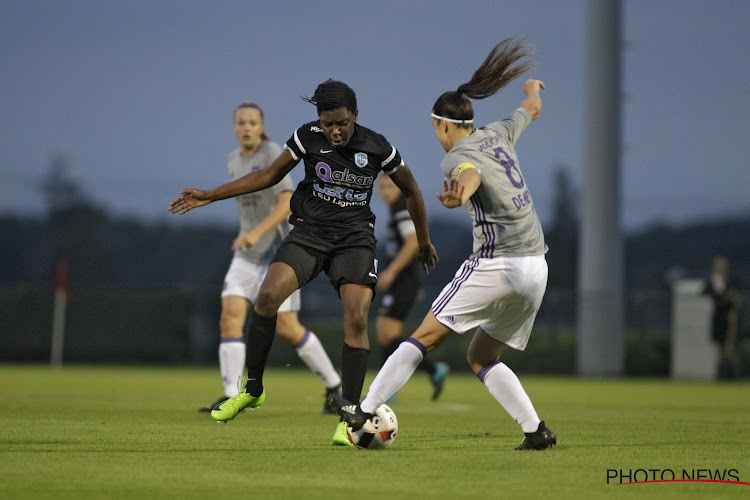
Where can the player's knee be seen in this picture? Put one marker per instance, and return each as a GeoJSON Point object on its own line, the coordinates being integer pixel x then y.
{"type": "Point", "coordinates": [230, 324]}
{"type": "Point", "coordinates": [269, 300]}
{"type": "Point", "coordinates": [356, 319]}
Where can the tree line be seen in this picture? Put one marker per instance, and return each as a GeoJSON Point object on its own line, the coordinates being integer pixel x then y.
{"type": "Point", "coordinates": [103, 249]}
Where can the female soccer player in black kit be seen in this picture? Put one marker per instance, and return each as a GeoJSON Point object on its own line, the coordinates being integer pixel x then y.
{"type": "Point", "coordinates": [333, 233]}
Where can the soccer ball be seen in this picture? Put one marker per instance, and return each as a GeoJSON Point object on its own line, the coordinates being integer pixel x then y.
{"type": "Point", "coordinates": [378, 432]}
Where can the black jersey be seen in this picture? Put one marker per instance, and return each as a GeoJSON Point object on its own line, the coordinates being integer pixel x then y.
{"type": "Point", "coordinates": [337, 188]}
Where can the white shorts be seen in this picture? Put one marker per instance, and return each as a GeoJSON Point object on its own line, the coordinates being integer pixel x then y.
{"type": "Point", "coordinates": [500, 295]}
{"type": "Point", "coordinates": [243, 279]}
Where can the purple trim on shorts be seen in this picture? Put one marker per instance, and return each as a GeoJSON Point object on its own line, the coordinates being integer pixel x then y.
{"type": "Point", "coordinates": [466, 269]}
{"type": "Point", "coordinates": [304, 339]}
{"type": "Point", "coordinates": [486, 368]}
{"type": "Point", "coordinates": [417, 344]}
{"type": "Point", "coordinates": [232, 339]}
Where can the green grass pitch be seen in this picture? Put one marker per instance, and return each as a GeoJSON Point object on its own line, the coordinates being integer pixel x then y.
{"type": "Point", "coordinates": [135, 432]}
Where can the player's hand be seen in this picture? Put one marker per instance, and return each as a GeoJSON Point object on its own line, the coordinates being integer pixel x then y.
{"type": "Point", "coordinates": [427, 256]}
{"type": "Point", "coordinates": [452, 193]}
{"type": "Point", "coordinates": [245, 240]}
{"type": "Point", "coordinates": [189, 199]}
{"type": "Point", "coordinates": [533, 86]}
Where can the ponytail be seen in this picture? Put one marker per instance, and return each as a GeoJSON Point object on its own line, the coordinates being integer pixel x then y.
{"type": "Point", "coordinates": [507, 61]}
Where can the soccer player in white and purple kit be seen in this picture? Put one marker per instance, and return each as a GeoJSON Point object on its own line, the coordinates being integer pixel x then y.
{"type": "Point", "coordinates": [499, 289]}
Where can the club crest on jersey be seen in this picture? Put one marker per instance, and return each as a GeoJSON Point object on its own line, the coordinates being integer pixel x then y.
{"type": "Point", "coordinates": [361, 160]}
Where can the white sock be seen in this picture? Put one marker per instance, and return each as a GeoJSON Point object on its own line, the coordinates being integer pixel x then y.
{"type": "Point", "coordinates": [231, 364]}
{"type": "Point", "coordinates": [315, 357]}
{"type": "Point", "coordinates": [396, 371]}
{"type": "Point", "coordinates": [504, 385]}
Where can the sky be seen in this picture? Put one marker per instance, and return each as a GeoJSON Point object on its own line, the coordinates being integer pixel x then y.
{"type": "Point", "coordinates": [138, 95]}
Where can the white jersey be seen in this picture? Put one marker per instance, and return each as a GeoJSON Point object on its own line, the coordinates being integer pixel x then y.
{"type": "Point", "coordinates": [505, 222]}
{"type": "Point", "coordinates": [255, 207]}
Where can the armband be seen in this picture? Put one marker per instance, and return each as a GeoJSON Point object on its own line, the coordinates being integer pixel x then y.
{"type": "Point", "coordinates": [463, 166]}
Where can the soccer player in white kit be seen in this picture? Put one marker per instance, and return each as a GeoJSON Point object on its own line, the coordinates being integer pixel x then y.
{"type": "Point", "coordinates": [498, 290]}
{"type": "Point", "coordinates": [263, 225]}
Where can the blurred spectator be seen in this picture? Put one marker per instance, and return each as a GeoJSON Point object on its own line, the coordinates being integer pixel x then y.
{"type": "Point", "coordinates": [726, 297]}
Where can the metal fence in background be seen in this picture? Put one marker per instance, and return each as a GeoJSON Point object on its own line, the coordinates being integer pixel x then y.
{"type": "Point", "coordinates": [181, 327]}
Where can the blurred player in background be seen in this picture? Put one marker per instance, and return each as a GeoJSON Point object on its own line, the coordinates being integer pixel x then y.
{"type": "Point", "coordinates": [333, 233]}
{"type": "Point", "coordinates": [499, 289]}
{"type": "Point", "coordinates": [725, 318]}
{"type": "Point", "coordinates": [263, 226]}
{"type": "Point", "coordinates": [400, 282]}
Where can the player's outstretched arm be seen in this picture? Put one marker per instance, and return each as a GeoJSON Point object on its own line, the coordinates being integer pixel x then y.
{"type": "Point", "coordinates": [189, 199]}
{"type": "Point", "coordinates": [254, 181]}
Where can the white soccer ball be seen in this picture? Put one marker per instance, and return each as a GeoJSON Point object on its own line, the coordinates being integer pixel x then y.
{"type": "Point", "coordinates": [378, 432]}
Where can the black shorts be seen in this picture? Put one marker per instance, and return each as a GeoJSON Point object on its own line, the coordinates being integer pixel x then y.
{"type": "Point", "coordinates": [354, 263]}
{"type": "Point", "coordinates": [399, 299]}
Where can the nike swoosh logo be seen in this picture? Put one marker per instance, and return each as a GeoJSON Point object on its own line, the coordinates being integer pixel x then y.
{"type": "Point", "coordinates": [324, 151]}
{"type": "Point", "coordinates": [373, 275]}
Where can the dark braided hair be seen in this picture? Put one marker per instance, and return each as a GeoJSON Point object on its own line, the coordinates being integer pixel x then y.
{"type": "Point", "coordinates": [502, 65]}
{"type": "Point", "coordinates": [252, 105]}
{"type": "Point", "coordinates": [332, 94]}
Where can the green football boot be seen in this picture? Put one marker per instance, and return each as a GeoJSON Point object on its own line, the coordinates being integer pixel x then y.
{"type": "Point", "coordinates": [229, 409]}
{"type": "Point", "coordinates": [341, 437]}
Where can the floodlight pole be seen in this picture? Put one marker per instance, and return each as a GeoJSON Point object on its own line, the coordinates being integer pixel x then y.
{"type": "Point", "coordinates": [600, 283]}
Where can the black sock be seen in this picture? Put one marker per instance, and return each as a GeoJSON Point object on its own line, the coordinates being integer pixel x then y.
{"type": "Point", "coordinates": [260, 336]}
{"type": "Point", "coordinates": [353, 371]}
{"type": "Point", "coordinates": [390, 348]}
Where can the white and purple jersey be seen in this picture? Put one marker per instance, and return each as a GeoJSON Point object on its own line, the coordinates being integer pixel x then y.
{"type": "Point", "coordinates": [255, 207]}
{"type": "Point", "coordinates": [505, 221]}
